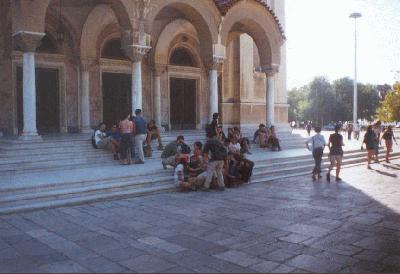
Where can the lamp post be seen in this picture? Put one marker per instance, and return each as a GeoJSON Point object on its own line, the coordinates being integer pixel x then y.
{"type": "Point", "coordinates": [355, 15]}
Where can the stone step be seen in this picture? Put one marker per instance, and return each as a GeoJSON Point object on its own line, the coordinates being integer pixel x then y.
{"type": "Point", "coordinates": [124, 191]}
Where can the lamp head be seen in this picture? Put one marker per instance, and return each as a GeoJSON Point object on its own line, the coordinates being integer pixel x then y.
{"type": "Point", "coordinates": [355, 15]}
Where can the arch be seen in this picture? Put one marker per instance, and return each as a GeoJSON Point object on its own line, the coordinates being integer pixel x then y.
{"type": "Point", "coordinates": [251, 18]}
{"type": "Point", "coordinates": [203, 15]}
{"type": "Point", "coordinates": [182, 56]}
{"type": "Point", "coordinates": [169, 36]}
{"type": "Point", "coordinates": [112, 49]}
{"type": "Point", "coordinates": [98, 19]}
{"type": "Point", "coordinates": [48, 44]}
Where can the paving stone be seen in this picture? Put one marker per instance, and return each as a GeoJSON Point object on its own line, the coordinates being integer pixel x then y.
{"type": "Point", "coordinates": [101, 264]}
{"type": "Point", "coordinates": [61, 267]}
{"type": "Point", "coordinates": [121, 254]}
{"type": "Point", "coordinates": [147, 263]}
{"type": "Point", "coordinates": [101, 243]}
{"type": "Point", "coordinates": [279, 255]}
{"type": "Point", "coordinates": [371, 255]}
{"type": "Point", "coordinates": [196, 244]}
{"type": "Point", "coordinates": [265, 266]}
{"type": "Point", "coordinates": [313, 264]}
{"type": "Point", "coordinates": [239, 258]}
{"type": "Point", "coordinates": [294, 238]}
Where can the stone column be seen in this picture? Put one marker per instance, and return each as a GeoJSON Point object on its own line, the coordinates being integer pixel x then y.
{"type": "Point", "coordinates": [28, 42]}
{"type": "Point", "coordinates": [85, 95]}
{"type": "Point", "coordinates": [270, 100]}
{"type": "Point", "coordinates": [158, 70]}
{"type": "Point", "coordinates": [217, 61]}
{"type": "Point", "coordinates": [136, 54]}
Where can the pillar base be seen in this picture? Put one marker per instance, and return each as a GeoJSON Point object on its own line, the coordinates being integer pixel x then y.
{"type": "Point", "coordinates": [30, 137]}
{"type": "Point", "coordinates": [86, 130]}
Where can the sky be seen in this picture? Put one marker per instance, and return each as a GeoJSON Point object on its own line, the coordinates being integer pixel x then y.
{"type": "Point", "coordinates": [320, 40]}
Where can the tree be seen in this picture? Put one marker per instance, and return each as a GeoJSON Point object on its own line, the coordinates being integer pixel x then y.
{"type": "Point", "coordinates": [322, 100]}
{"type": "Point", "coordinates": [389, 109]}
{"type": "Point", "coordinates": [297, 100]}
{"type": "Point", "coordinates": [368, 101]}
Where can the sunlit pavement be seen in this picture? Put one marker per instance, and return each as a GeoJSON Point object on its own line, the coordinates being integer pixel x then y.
{"type": "Point", "coordinates": [281, 226]}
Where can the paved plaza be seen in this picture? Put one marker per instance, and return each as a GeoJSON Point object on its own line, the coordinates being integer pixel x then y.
{"type": "Point", "coordinates": [291, 225]}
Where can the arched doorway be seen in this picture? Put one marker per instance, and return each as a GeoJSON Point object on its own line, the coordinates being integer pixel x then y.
{"type": "Point", "coordinates": [183, 92]}
{"type": "Point", "coordinates": [116, 87]}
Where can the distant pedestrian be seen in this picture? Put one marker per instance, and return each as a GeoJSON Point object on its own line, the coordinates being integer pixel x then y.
{"type": "Point", "coordinates": [370, 143]}
{"type": "Point", "coordinates": [349, 130]}
{"type": "Point", "coordinates": [335, 145]}
{"type": "Point", "coordinates": [377, 128]}
{"type": "Point", "coordinates": [308, 128]}
{"type": "Point", "coordinates": [388, 136]}
{"type": "Point", "coordinates": [140, 137]}
{"type": "Point", "coordinates": [357, 130]}
{"type": "Point", "coordinates": [318, 144]}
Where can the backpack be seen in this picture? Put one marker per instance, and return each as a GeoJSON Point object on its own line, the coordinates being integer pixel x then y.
{"type": "Point", "coordinates": [94, 140]}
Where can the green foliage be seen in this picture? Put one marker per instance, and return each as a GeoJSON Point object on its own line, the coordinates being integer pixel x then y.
{"type": "Point", "coordinates": [389, 109]}
{"type": "Point", "coordinates": [323, 102]}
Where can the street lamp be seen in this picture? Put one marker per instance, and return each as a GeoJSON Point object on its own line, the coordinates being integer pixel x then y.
{"type": "Point", "coordinates": [355, 15]}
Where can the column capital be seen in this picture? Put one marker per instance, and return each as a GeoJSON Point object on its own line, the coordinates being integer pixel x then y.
{"type": "Point", "coordinates": [159, 69]}
{"type": "Point", "coordinates": [216, 62]}
{"type": "Point", "coordinates": [136, 52]}
{"type": "Point", "coordinates": [270, 71]}
{"type": "Point", "coordinates": [28, 41]}
{"type": "Point", "coordinates": [88, 63]}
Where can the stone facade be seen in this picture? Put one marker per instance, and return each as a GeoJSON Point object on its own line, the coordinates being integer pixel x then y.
{"type": "Point", "coordinates": [229, 46]}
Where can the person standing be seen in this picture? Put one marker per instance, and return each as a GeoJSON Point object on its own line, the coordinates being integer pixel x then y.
{"type": "Point", "coordinates": [369, 141]}
{"type": "Point", "coordinates": [215, 153]}
{"type": "Point", "coordinates": [317, 147]}
{"type": "Point", "coordinates": [140, 136]}
{"type": "Point", "coordinates": [335, 145]}
{"type": "Point", "coordinates": [378, 130]}
{"type": "Point", "coordinates": [127, 145]}
{"type": "Point", "coordinates": [308, 128]}
{"type": "Point", "coordinates": [349, 130]}
{"type": "Point", "coordinates": [388, 136]}
{"type": "Point", "coordinates": [357, 130]}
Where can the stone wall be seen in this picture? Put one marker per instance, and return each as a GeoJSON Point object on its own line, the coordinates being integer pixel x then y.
{"type": "Point", "coordinates": [6, 94]}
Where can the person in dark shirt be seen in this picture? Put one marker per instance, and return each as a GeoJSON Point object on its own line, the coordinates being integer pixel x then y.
{"type": "Point", "coordinates": [388, 136]}
{"type": "Point", "coordinates": [213, 127]}
{"type": "Point", "coordinates": [370, 141]}
{"type": "Point", "coordinates": [335, 145]}
{"type": "Point", "coordinates": [215, 153]}
{"type": "Point", "coordinates": [140, 137]}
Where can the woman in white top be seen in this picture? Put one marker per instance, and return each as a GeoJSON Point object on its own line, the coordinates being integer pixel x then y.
{"type": "Point", "coordinates": [318, 144]}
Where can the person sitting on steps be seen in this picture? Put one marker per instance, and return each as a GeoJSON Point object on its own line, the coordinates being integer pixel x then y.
{"type": "Point", "coordinates": [104, 142]}
{"type": "Point", "coordinates": [273, 140]}
{"type": "Point", "coordinates": [115, 138]}
{"type": "Point", "coordinates": [153, 133]}
{"type": "Point", "coordinates": [173, 151]}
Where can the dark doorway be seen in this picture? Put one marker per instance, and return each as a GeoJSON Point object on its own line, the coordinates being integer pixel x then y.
{"type": "Point", "coordinates": [116, 97]}
{"type": "Point", "coordinates": [47, 100]}
{"type": "Point", "coordinates": [183, 103]}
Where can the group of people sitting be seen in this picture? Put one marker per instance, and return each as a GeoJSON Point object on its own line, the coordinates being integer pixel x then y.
{"type": "Point", "coordinates": [267, 138]}
{"type": "Point", "coordinates": [218, 163]}
{"type": "Point", "coordinates": [130, 133]}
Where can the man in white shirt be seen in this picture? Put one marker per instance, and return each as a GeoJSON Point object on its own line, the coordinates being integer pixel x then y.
{"type": "Point", "coordinates": [357, 129]}
{"type": "Point", "coordinates": [102, 141]}
{"type": "Point", "coordinates": [318, 144]}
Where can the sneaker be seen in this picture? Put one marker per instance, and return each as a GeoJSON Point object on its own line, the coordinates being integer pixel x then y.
{"type": "Point", "coordinates": [369, 167]}
{"type": "Point", "coordinates": [139, 162]}
{"type": "Point", "coordinates": [328, 177]}
{"type": "Point", "coordinates": [116, 157]}
{"type": "Point", "coordinates": [338, 179]}
{"type": "Point", "coordinates": [204, 189]}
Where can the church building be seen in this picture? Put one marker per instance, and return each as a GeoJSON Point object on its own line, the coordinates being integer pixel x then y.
{"type": "Point", "coordinates": [67, 65]}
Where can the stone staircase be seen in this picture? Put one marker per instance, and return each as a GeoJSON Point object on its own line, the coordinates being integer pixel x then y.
{"type": "Point", "coordinates": [66, 170]}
